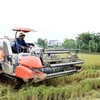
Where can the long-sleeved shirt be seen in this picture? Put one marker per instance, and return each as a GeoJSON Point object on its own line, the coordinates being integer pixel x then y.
{"type": "Point", "coordinates": [19, 43]}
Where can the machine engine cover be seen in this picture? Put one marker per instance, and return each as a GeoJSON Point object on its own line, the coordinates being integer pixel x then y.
{"type": "Point", "coordinates": [30, 61]}
{"type": "Point", "coordinates": [24, 72]}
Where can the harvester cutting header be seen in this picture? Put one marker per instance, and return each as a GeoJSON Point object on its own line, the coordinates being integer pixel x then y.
{"type": "Point", "coordinates": [31, 63]}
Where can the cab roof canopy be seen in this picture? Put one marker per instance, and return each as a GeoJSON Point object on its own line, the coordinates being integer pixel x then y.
{"type": "Point", "coordinates": [25, 30]}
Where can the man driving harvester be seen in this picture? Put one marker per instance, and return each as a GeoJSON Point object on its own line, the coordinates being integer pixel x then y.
{"type": "Point", "coordinates": [20, 45]}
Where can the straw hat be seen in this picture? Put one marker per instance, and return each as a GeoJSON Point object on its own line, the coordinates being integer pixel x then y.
{"type": "Point", "coordinates": [21, 34]}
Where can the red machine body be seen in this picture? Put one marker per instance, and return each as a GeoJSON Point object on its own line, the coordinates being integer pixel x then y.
{"type": "Point", "coordinates": [24, 70]}
{"type": "Point", "coordinates": [32, 61]}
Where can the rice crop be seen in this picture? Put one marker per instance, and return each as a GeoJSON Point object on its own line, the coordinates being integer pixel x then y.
{"type": "Point", "coordinates": [84, 85]}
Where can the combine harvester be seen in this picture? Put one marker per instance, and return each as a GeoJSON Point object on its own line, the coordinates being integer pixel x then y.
{"type": "Point", "coordinates": [36, 64]}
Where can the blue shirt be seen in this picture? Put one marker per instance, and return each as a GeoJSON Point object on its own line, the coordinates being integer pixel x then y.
{"type": "Point", "coordinates": [19, 43]}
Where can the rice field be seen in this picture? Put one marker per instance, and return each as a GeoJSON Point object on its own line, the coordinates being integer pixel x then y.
{"type": "Point", "coordinates": [80, 86]}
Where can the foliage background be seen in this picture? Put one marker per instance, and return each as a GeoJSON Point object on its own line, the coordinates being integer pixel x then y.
{"type": "Point", "coordinates": [86, 42]}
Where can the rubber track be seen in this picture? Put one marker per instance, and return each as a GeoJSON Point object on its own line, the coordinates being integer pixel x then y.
{"type": "Point", "coordinates": [12, 81]}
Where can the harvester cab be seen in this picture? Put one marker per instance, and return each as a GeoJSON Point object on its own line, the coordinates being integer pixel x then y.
{"type": "Point", "coordinates": [37, 64]}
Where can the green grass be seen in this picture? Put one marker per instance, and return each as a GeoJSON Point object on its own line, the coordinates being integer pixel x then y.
{"type": "Point", "coordinates": [80, 86]}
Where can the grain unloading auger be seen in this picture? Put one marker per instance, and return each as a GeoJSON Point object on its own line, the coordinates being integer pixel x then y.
{"type": "Point", "coordinates": [36, 64]}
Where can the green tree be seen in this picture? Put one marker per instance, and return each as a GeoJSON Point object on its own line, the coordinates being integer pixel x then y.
{"type": "Point", "coordinates": [83, 40]}
{"type": "Point", "coordinates": [41, 43]}
{"type": "Point", "coordinates": [89, 41]}
{"type": "Point", "coordinates": [69, 43]}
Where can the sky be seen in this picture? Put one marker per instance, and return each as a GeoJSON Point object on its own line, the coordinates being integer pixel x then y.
{"type": "Point", "coordinates": [52, 19]}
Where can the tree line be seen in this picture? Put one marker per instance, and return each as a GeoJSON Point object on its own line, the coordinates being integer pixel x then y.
{"type": "Point", "coordinates": [88, 41]}
{"type": "Point", "coordinates": [85, 42]}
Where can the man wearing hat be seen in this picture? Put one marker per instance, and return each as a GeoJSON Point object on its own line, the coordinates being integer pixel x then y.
{"type": "Point", "coordinates": [20, 44]}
